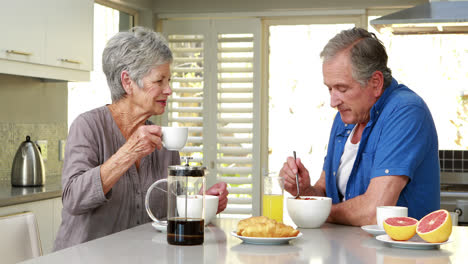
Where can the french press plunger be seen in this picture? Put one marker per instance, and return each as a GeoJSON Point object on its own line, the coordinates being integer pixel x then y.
{"type": "Point", "coordinates": [185, 204]}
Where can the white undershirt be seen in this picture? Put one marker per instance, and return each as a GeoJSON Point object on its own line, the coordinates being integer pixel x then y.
{"type": "Point", "coordinates": [346, 164]}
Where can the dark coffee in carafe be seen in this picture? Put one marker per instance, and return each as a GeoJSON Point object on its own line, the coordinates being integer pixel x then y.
{"type": "Point", "coordinates": [185, 231]}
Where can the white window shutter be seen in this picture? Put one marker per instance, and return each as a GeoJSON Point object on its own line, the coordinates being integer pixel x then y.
{"type": "Point", "coordinates": [186, 104]}
{"type": "Point", "coordinates": [216, 90]}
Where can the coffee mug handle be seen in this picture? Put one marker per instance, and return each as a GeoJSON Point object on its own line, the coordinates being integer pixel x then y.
{"type": "Point", "coordinates": [148, 210]}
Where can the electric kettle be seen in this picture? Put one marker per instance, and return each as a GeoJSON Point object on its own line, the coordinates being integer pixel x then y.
{"type": "Point", "coordinates": [28, 166]}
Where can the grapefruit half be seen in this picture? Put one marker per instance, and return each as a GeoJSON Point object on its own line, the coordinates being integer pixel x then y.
{"type": "Point", "coordinates": [400, 228]}
{"type": "Point", "coordinates": [435, 227]}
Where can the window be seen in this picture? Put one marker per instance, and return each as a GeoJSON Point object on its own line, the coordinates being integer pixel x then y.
{"type": "Point", "coordinates": [434, 66]}
{"type": "Point", "coordinates": [216, 94]}
{"type": "Point", "coordinates": [299, 112]}
{"type": "Point", "coordinates": [107, 22]}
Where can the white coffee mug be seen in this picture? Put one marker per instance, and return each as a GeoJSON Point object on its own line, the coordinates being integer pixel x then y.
{"type": "Point", "coordinates": [174, 138]}
{"type": "Point", "coordinates": [454, 216]}
{"type": "Point", "coordinates": [384, 212]}
{"type": "Point", "coordinates": [195, 205]}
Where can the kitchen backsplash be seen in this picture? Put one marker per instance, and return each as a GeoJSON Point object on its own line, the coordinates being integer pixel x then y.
{"type": "Point", "coordinates": [36, 108]}
{"type": "Point", "coordinates": [453, 160]}
{"type": "Point", "coordinates": [13, 134]}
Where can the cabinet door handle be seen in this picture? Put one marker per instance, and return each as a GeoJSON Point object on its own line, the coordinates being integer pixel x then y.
{"type": "Point", "coordinates": [71, 61]}
{"type": "Point", "coordinates": [18, 52]}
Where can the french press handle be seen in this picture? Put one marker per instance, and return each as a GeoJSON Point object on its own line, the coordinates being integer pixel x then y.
{"type": "Point", "coordinates": [148, 210]}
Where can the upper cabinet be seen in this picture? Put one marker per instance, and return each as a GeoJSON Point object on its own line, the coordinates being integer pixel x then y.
{"type": "Point", "coordinates": [68, 38]}
{"type": "Point", "coordinates": [50, 39]}
{"type": "Point", "coordinates": [22, 26]}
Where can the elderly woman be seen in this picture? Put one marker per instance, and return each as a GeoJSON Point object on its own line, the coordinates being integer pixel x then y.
{"type": "Point", "coordinates": [114, 153]}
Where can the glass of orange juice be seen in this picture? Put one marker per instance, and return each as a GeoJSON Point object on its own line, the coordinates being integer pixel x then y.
{"type": "Point", "coordinates": [273, 190]}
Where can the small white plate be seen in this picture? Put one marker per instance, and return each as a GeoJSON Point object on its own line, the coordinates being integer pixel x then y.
{"type": "Point", "coordinates": [265, 240]}
{"type": "Point", "coordinates": [415, 242]}
{"type": "Point", "coordinates": [160, 228]}
{"type": "Point", "coordinates": [373, 229]}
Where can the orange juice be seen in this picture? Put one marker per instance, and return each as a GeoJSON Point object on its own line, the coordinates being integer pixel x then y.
{"type": "Point", "coordinates": [273, 206]}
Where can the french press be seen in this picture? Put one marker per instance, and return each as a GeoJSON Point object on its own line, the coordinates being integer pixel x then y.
{"type": "Point", "coordinates": [185, 204]}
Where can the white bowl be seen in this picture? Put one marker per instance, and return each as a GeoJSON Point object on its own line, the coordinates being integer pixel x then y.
{"type": "Point", "coordinates": [309, 213]}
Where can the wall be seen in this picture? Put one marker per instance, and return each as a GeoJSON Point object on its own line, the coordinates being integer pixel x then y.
{"type": "Point", "coordinates": [143, 7]}
{"type": "Point", "coordinates": [34, 107]}
{"type": "Point", "coordinates": [204, 6]}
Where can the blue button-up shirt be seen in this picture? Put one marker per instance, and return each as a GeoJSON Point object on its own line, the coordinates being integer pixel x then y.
{"type": "Point", "coordinates": [399, 139]}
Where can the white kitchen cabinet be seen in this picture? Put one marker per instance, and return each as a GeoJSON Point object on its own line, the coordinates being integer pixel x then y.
{"type": "Point", "coordinates": [50, 39]}
{"type": "Point", "coordinates": [57, 214]}
{"type": "Point", "coordinates": [48, 216]}
{"type": "Point", "coordinates": [22, 27]}
{"type": "Point", "coordinates": [69, 43]}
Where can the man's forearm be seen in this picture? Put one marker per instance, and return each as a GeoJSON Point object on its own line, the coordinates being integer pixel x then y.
{"type": "Point", "coordinates": [313, 191]}
{"type": "Point", "coordinates": [357, 212]}
{"type": "Point", "coordinates": [360, 210]}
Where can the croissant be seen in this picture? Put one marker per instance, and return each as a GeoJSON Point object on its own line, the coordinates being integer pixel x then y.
{"type": "Point", "coordinates": [262, 226]}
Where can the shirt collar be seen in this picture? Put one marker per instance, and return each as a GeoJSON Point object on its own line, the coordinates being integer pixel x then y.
{"type": "Point", "coordinates": [345, 129]}
{"type": "Point", "coordinates": [379, 105]}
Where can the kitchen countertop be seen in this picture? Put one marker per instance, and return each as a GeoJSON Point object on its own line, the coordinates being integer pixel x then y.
{"type": "Point", "coordinates": [10, 195]}
{"type": "Point", "coordinates": [328, 244]}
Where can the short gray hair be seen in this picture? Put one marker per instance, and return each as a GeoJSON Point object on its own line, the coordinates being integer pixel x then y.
{"type": "Point", "coordinates": [367, 54]}
{"type": "Point", "coordinates": [137, 51]}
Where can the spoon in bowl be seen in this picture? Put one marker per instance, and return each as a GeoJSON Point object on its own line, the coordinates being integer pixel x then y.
{"type": "Point", "coordinates": [297, 179]}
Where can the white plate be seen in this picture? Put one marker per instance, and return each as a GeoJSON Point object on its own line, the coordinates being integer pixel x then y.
{"type": "Point", "coordinates": [415, 242]}
{"type": "Point", "coordinates": [265, 240]}
{"type": "Point", "coordinates": [160, 228]}
{"type": "Point", "coordinates": [373, 229]}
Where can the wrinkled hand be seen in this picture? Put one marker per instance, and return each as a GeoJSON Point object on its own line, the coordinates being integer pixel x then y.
{"type": "Point", "coordinates": [220, 190]}
{"type": "Point", "coordinates": [144, 141]}
{"type": "Point", "coordinates": [288, 173]}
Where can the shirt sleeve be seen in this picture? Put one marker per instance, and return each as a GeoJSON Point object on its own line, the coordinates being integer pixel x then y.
{"type": "Point", "coordinates": [81, 177]}
{"type": "Point", "coordinates": [403, 143]}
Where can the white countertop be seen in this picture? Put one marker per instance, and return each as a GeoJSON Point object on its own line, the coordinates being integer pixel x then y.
{"type": "Point", "coordinates": [328, 244]}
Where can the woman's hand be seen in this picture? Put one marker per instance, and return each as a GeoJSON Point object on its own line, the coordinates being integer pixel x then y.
{"type": "Point", "coordinates": [220, 190]}
{"type": "Point", "coordinates": [144, 141]}
{"type": "Point", "coordinates": [288, 173]}
{"type": "Point", "coordinates": [140, 144]}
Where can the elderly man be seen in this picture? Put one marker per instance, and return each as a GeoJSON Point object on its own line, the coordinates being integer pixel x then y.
{"type": "Point", "coordinates": [383, 147]}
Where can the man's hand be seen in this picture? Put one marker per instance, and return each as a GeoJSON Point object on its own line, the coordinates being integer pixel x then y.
{"type": "Point", "coordinates": [220, 190]}
{"type": "Point", "coordinates": [288, 173]}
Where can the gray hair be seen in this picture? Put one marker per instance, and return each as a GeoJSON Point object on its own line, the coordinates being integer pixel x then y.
{"type": "Point", "coordinates": [137, 51]}
{"type": "Point", "coordinates": [367, 54]}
